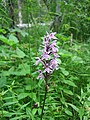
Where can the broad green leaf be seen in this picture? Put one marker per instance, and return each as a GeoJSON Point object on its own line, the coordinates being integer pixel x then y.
{"type": "Point", "coordinates": [39, 111]}
{"type": "Point", "coordinates": [22, 96]}
{"type": "Point", "coordinates": [88, 18]}
{"type": "Point", "coordinates": [52, 118]}
{"type": "Point", "coordinates": [5, 40]}
{"type": "Point", "coordinates": [33, 96]}
{"type": "Point", "coordinates": [28, 87]}
{"type": "Point", "coordinates": [23, 69]}
{"type": "Point", "coordinates": [65, 72]}
{"type": "Point", "coordinates": [34, 111]}
{"type": "Point", "coordinates": [81, 113]}
{"type": "Point", "coordinates": [63, 37]}
{"type": "Point", "coordinates": [28, 111]}
{"type": "Point", "coordinates": [2, 82]}
{"type": "Point", "coordinates": [11, 70]}
{"type": "Point", "coordinates": [2, 31]}
{"type": "Point", "coordinates": [13, 38]}
{"type": "Point", "coordinates": [5, 113]}
{"type": "Point", "coordinates": [65, 53]}
{"type": "Point", "coordinates": [77, 59]}
{"type": "Point", "coordinates": [23, 33]}
{"type": "Point", "coordinates": [20, 53]}
{"type": "Point", "coordinates": [85, 118]}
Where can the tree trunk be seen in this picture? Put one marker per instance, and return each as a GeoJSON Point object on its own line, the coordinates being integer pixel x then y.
{"type": "Point", "coordinates": [19, 12]}
{"type": "Point", "coordinates": [11, 12]}
{"type": "Point", "coordinates": [57, 19]}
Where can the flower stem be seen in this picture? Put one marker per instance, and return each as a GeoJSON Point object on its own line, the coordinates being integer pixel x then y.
{"type": "Point", "coordinates": [44, 99]}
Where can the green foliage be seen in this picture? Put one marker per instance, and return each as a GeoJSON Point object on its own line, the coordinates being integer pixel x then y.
{"type": "Point", "coordinates": [21, 93]}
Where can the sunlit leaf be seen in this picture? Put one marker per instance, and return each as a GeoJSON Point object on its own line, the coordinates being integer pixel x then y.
{"type": "Point", "coordinates": [22, 95]}
{"type": "Point", "coordinates": [2, 82]}
{"type": "Point", "coordinates": [13, 38]}
{"type": "Point", "coordinates": [71, 83]}
{"type": "Point", "coordinates": [20, 53]}
{"type": "Point", "coordinates": [68, 112]}
{"type": "Point", "coordinates": [68, 91]}
{"type": "Point", "coordinates": [65, 72]}
{"type": "Point", "coordinates": [74, 107]}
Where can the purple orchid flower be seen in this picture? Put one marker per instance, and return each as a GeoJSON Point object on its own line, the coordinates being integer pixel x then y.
{"type": "Point", "coordinates": [49, 55]}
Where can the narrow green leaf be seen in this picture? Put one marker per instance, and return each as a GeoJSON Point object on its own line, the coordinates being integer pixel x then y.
{"type": "Point", "coordinates": [10, 103]}
{"type": "Point", "coordinates": [74, 107]}
{"type": "Point", "coordinates": [68, 91]}
{"type": "Point", "coordinates": [23, 106]}
{"type": "Point", "coordinates": [71, 83]}
{"type": "Point", "coordinates": [19, 118]}
{"type": "Point", "coordinates": [68, 112]}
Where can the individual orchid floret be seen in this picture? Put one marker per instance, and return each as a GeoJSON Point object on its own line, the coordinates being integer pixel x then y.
{"type": "Point", "coordinates": [54, 49]}
{"type": "Point", "coordinates": [53, 64]}
{"type": "Point", "coordinates": [40, 76]}
{"type": "Point", "coordinates": [52, 36]}
{"type": "Point", "coordinates": [55, 55]}
{"type": "Point", "coordinates": [53, 44]}
{"type": "Point", "coordinates": [45, 56]}
{"type": "Point", "coordinates": [46, 41]}
{"type": "Point", "coordinates": [47, 68]}
{"type": "Point", "coordinates": [38, 60]}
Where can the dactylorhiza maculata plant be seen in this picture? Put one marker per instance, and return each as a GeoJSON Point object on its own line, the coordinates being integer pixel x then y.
{"type": "Point", "coordinates": [49, 60]}
{"type": "Point", "coordinates": [49, 56]}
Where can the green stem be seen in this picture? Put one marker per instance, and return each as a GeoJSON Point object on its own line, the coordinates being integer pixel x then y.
{"type": "Point", "coordinates": [44, 100]}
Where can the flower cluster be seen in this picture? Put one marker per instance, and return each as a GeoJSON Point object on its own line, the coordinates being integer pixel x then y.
{"type": "Point", "coordinates": [49, 56]}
